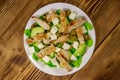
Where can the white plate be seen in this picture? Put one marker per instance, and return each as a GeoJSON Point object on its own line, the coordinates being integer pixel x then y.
{"type": "Point", "coordinates": [86, 57]}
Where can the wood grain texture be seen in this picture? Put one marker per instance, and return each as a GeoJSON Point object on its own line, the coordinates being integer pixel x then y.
{"type": "Point", "coordinates": [105, 62]}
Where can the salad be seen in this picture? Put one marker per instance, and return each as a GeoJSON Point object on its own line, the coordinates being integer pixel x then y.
{"type": "Point", "coordinates": [59, 38]}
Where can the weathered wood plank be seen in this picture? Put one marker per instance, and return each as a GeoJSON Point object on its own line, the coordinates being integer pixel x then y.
{"type": "Point", "coordinates": [8, 13]}
{"type": "Point", "coordinates": [14, 62]}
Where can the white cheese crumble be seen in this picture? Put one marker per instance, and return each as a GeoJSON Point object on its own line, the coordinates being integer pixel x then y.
{"type": "Point", "coordinates": [75, 44]}
{"type": "Point", "coordinates": [72, 16]}
{"type": "Point", "coordinates": [53, 37]}
{"type": "Point", "coordinates": [31, 49]}
{"type": "Point", "coordinates": [57, 49]}
{"type": "Point", "coordinates": [54, 30]}
{"type": "Point", "coordinates": [54, 61]}
{"type": "Point", "coordinates": [73, 57]}
{"type": "Point", "coordinates": [66, 46]}
{"type": "Point", "coordinates": [55, 21]}
{"type": "Point", "coordinates": [40, 46]}
{"type": "Point", "coordinates": [46, 59]}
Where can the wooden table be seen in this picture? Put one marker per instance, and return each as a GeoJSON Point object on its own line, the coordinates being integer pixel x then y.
{"type": "Point", "coordinates": [105, 62]}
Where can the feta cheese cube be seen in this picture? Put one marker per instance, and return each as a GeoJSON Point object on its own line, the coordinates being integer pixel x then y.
{"type": "Point", "coordinates": [81, 40]}
{"type": "Point", "coordinates": [72, 16]}
{"type": "Point", "coordinates": [55, 21]}
{"type": "Point", "coordinates": [40, 46]}
{"type": "Point", "coordinates": [54, 30]}
{"type": "Point", "coordinates": [53, 37]}
{"type": "Point", "coordinates": [75, 44]}
{"type": "Point", "coordinates": [31, 49]}
{"type": "Point", "coordinates": [83, 29]}
{"type": "Point", "coordinates": [46, 59]}
{"type": "Point", "coordinates": [57, 49]}
{"type": "Point", "coordinates": [73, 57]}
{"type": "Point", "coordinates": [54, 61]}
{"type": "Point", "coordinates": [66, 46]}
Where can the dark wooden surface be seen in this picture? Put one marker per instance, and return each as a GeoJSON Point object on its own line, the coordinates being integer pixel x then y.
{"type": "Point", "coordinates": [105, 62]}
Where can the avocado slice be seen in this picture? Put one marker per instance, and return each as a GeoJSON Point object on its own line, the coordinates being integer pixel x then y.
{"type": "Point", "coordinates": [36, 30]}
{"type": "Point", "coordinates": [81, 50]}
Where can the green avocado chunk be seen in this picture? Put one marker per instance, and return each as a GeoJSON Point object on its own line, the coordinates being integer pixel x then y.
{"type": "Point", "coordinates": [81, 50]}
{"type": "Point", "coordinates": [36, 30]}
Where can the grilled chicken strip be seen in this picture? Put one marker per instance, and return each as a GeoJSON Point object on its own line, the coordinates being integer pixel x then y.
{"type": "Point", "coordinates": [29, 41]}
{"type": "Point", "coordinates": [63, 62]}
{"type": "Point", "coordinates": [80, 35]}
{"type": "Point", "coordinates": [63, 21]}
{"type": "Point", "coordinates": [51, 15]}
{"type": "Point", "coordinates": [46, 51]}
{"type": "Point", "coordinates": [65, 55]}
{"type": "Point", "coordinates": [43, 24]}
{"type": "Point", "coordinates": [62, 39]}
{"type": "Point", "coordinates": [36, 38]}
{"type": "Point", "coordinates": [46, 41]}
{"type": "Point", "coordinates": [74, 24]}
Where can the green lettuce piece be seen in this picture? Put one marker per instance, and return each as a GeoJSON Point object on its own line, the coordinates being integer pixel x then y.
{"type": "Point", "coordinates": [51, 24]}
{"type": "Point", "coordinates": [58, 12]}
{"type": "Point", "coordinates": [35, 57]}
{"type": "Point", "coordinates": [67, 20]}
{"type": "Point", "coordinates": [52, 55]}
{"type": "Point", "coordinates": [76, 63]}
{"type": "Point", "coordinates": [28, 32]}
{"type": "Point", "coordinates": [36, 49]}
{"type": "Point", "coordinates": [50, 64]}
{"type": "Point", "coordinates": [72, 50]}
{"type": "Point", "coordinates": [89, 42]}
{"type": "Point", "coordinates": [88, 25]}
